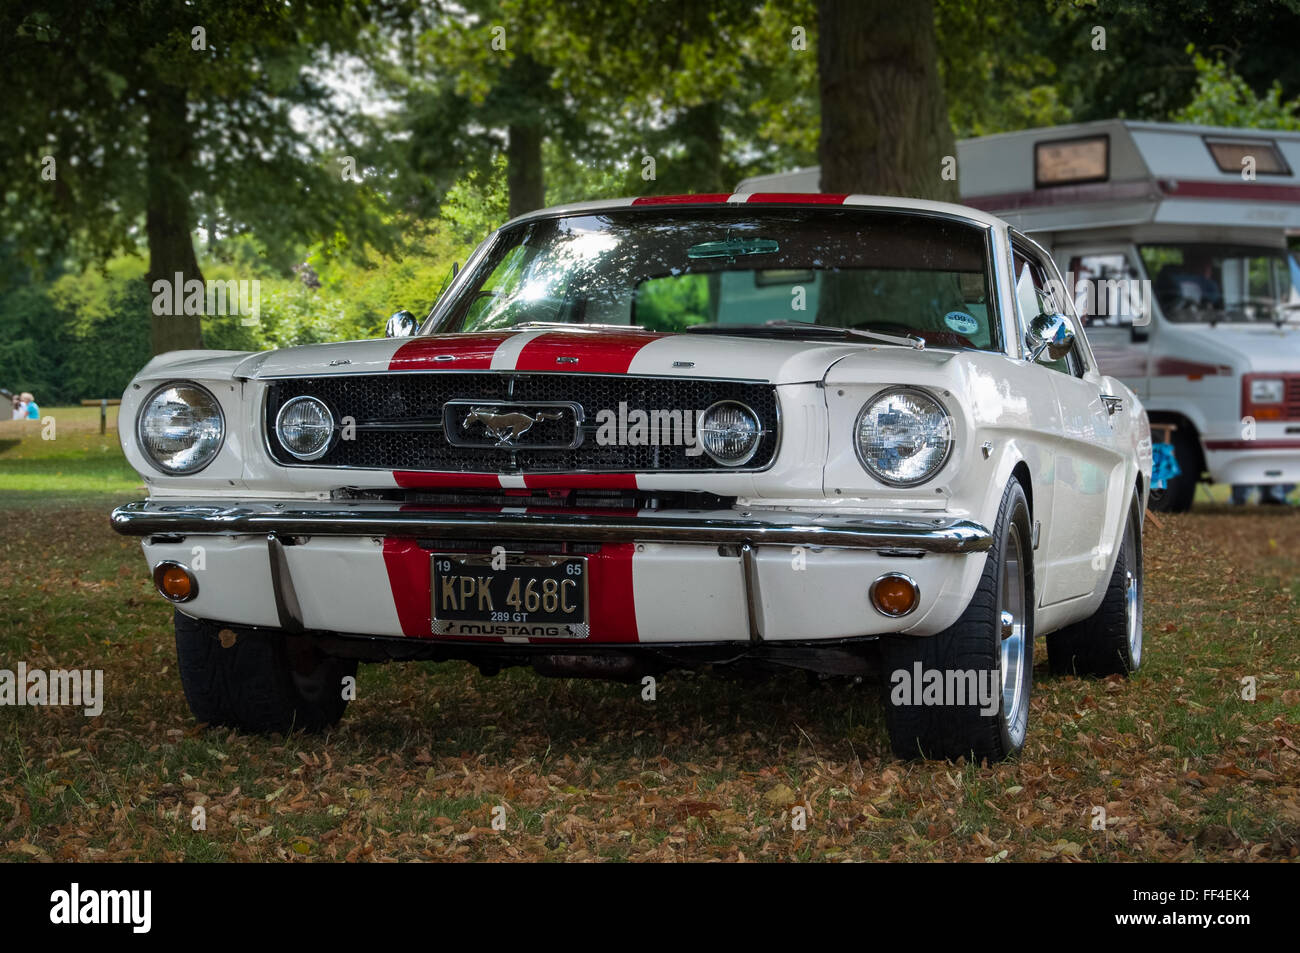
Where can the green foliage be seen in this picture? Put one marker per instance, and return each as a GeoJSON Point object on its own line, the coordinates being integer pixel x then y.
{"type": "Point", "coordinates": [89, 86]}
{"type": "Point", "coordinates": [1223, 98]}
{"type": "Point", "coordinates": [998, 73]}
{"type": "Point", "coordinates": [673, 303]}
{"type": "Point", "coordinates": [1144, 72]}
{"type": "Point", "coordinates": [477, 203]}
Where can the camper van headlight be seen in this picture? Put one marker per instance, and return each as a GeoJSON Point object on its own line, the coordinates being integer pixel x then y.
{"type": "Point", "coordinates": [180, 427]}
{"type": "Point", "coordinates": [1268, 390]}
{"type": "Point", "coordinates": [903, 436]}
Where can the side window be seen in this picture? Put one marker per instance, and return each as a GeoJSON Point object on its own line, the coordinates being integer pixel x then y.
{"type": "Point", "coordinates": [1034, 296]}
{"type": "Point", "coordinates": [1104, 287]}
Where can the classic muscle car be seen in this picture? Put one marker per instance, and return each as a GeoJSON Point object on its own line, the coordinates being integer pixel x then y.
{"type": "Point", "coordinates": [841, 433]}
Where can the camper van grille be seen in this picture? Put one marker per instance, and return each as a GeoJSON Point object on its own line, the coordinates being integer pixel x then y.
{"type": "Point", "coordinates": [1292, 400]}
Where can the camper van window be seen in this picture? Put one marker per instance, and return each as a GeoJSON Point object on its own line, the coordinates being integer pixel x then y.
{"type": "Point", "coordinates": [1231, 155]}
{"type": "Point", "coordinates": [1210, 283]}
{"type": "Point", "coordinates": [1106, 289]}
{"type": "Point", "coordinates": [1036, 295]}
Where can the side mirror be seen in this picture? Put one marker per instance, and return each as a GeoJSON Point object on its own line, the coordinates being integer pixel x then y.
{"type": "Point", "coordinates": [1053, 333]}
{"type": "Point", "coordinates": [401, 325]}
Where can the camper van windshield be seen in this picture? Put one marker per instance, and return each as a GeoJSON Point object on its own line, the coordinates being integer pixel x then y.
{"type": "Point", "coordinates": [738, 270]}
{"type": "Point", "coordinates": [1231, 283]}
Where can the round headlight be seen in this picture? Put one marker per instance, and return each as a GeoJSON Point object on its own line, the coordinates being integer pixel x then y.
{"type": "Point", "coordinates": [305, 427]}
{"type": "Point", "coordinates": [903, 436]}
{"type": "Point", "coordinates": [181, 427]}
{"type": "Point", "coordinates": [729, 433]}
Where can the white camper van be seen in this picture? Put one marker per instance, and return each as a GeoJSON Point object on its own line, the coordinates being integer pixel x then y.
{"type": "Point", "coordinates": [1174, 240]}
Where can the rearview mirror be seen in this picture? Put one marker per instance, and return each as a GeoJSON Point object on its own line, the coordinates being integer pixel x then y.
{"type": "Point", "coordinates": [1053, 333]}
{"type": "Point", "coordinates": [401, 325]}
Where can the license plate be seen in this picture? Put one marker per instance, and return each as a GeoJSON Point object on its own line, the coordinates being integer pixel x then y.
{"type": "Point", "coordinates": [510, 595]}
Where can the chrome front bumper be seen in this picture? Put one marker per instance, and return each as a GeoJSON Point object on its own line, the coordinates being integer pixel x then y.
{"type": "Point", "coordinates": [729, 527]}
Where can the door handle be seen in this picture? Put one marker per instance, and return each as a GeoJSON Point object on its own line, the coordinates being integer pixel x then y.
{"type": "Point", "coordinates": [1113, 404]}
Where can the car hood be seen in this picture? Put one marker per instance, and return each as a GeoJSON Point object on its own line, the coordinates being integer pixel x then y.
{"type": "Point", "coordinates": [574, 351]}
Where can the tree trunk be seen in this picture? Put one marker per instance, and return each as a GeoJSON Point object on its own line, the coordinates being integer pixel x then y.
{"type": "Point", "coordinates": [524, 168]}
{"type": "Point", "coordinates": [168, 221]}
{"type": "Point", "coordinates": [700, 128]}
{"type": "Point", "coordinates": [884, 118]}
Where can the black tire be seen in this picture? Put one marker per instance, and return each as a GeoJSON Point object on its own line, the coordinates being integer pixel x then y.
{"type": "Point", "coordinates": [1178, 494]}
{"type": "Point", "coordinates": [258, 681]}
{"type": "Point", "coordinates": [1109, 642]}
{"type": "Point", "coordinates": [973, 643]}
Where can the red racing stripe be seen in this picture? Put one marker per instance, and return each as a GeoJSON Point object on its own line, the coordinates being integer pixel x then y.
{"type": "Point", "coordinates": [610, 596]}
{"type": "Point", "coordinates": [419, 480]}
{"type": "Point", "coordinates": [468, 352]}
{"type": "Point", "coordinates": [410, 581]}
{"type": "Point", "coordinates": [605, 352]}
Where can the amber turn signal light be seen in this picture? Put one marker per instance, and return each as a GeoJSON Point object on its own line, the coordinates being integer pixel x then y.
{"type": "Point", "coordinates": [175, 582]}
{"type": "Point", "coordinates": [894, 594]}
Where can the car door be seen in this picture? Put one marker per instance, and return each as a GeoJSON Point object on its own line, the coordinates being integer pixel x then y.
{"type": "Point", "coordinates": [1088, 460]}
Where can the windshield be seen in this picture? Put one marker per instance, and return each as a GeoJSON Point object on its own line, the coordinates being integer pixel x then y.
{"type": "Point", "coordinates": [737, 268]}
{"type": "Point", "coordinates": [1213, 283]}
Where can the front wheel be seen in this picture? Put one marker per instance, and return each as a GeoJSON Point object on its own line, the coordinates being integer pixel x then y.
{"type": "Point", "coordinates": [1108, 642]}
{"type": "Point", "coordinates": [259, 681]}
{"type": "Point", "coordinates": [965, 691]}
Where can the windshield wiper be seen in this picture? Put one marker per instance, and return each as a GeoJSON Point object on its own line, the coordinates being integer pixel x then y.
{"type": "Point", "coordinates": [712, 327]}
{"type": "Point", "coordinates": [1277, 309]}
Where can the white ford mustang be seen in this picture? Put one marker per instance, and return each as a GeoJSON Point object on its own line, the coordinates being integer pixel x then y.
{"type": "Point", "coordinates": [828, 432]}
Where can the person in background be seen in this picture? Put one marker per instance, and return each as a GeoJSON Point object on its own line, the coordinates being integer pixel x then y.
{"type": "Point", "coordinates": [20, 409]}
{"type": "Point", "coordinates": [33, 410]}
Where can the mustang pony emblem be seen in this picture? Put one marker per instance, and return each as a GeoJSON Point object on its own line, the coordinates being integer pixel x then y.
{"type": "Point", "coordinates": [505, 429]}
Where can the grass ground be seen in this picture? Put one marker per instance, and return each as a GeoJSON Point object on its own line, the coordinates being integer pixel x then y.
{"type": "Point", "coordinates": [1182, 765]}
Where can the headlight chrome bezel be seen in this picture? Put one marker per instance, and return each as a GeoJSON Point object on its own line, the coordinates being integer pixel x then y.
{"type": "Point", "coordinates": [915, 392]}
{"type": "Point", "coordinates": [758, 434]}
{"type": "Point", "coordinates": [144, 446]}
{"type": "Point", "coordinates": [329, 442]}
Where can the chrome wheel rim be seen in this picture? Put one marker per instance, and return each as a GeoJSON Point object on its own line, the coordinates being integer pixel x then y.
{"type": "Point", "coordinates": [1012, 634]}
{"type": "Point", "coordinates": [1132, 596]}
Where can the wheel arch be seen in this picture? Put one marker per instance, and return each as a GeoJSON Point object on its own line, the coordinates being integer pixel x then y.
{"type": "Point", "coordinates": [1187, 425]}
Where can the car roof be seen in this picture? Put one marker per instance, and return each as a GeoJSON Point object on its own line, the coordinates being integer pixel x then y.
{"type": "Point", "coordinates": [772, 198]}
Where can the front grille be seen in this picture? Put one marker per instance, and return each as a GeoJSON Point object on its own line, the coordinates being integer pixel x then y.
{"type": "Point", "coordinates": [399, 421]}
